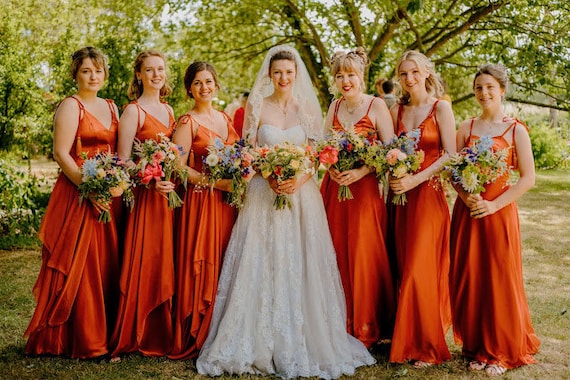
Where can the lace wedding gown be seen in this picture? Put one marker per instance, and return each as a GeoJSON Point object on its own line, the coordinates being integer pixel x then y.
{"type": "Point", "coordinates": [280, 306]}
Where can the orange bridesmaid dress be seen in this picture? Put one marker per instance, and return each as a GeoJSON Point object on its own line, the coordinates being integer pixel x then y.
{"type": "Point", "coordinates": [76, 290]}
{"type": "Point", "coordinates": [203, 228]}
{"type": "Point", "coordinates": [144, 322]}
{"type": "Point", "coordinates": [358, 227]}
{"type": "Point", "coordinates": [421, 242]}
{"type": "Point", "coordinates": [491, 318]}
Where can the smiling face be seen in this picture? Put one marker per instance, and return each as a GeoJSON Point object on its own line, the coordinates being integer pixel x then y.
{"type": "Point", "coordinates": [90, 77]}
{"type": "Point", "coordinates": [282, 74]}
{"type": "Point", "coordinates": [348, 83]}
{"type": "Point", "coordinates": [488, 91]}
{"type": "Point", "coordinates": [152, 73]}
{"type": "Point", "coordinates": [412, 78]}
{"type": "Point", "coordinates": [203, 86]}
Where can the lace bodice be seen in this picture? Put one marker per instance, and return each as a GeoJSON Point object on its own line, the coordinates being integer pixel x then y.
{"type": "Point", "coordinates": [271, 135]}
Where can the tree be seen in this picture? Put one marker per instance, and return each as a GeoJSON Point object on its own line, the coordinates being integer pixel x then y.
{"type": "Point", "coordinates": [456, 35]}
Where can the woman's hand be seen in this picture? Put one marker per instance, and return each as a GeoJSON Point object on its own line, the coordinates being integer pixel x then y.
{"type": "Point", "coordinates": [348, 177]}
{"type": "Point", "coordinates": [289, 186]}
{"type": "Point", "coordinates": [164, 187]}
{"type": "Point", "coordinates": [483, 208]}
{"type": "Point", "coordinates": [224, 185]}
{"type": "Point", "coordinates": [403, 184]}
{"type": "Point", "coordinates": [100, 206]}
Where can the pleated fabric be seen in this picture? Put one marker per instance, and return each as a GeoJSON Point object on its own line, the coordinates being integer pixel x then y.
{"type": "Point", "coordinates": [144, 322]}
{"type": "Point", "coordinates": [420, 238]}
{"type": "Point", "coordinates": [203, 228]}
{"type": "Point", "coordinates": [358, 227]}
{"type": "Point", "coordinates": [77, 287]}
{"type": "Point", "coordinates": [491, 317]}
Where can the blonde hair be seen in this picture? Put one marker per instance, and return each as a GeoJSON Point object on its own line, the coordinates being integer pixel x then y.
{"type": "Point", "coordinates": [136, 87]}
{"type": "Point", "coordinates": [353, 61]}
{"type": "Point", "coordinates": [433, 83]}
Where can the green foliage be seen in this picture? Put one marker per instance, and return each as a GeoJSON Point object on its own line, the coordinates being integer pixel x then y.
{"type": "Point", "coordinates": [548, 148]}
{"type": "Point", "coordinates": [23, 200]}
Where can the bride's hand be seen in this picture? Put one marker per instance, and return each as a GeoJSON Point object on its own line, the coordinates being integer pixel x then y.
{"type": "Point", "coordinates": [289, 186]}
{"type": "Point", "coordinates": [274, 184]}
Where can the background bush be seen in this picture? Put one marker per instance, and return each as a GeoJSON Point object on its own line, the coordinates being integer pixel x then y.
{"type": "Point", "coordinates": [549, 147]}
{"type": "Point", "coordinates": [23, 200]}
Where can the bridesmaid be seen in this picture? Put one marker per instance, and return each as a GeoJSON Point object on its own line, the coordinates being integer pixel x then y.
{"type": "Point", "coordinates": [76, 287]}
{"type": "Point", "coordinates": [421, 227]}
{"type": "Point", "coordinates": [490, 310]}
{"type": "Point", "coordinates": [204, 223]}
{"type": "Point", "coordinates": [359, 226]}
{"type": "Point", "coordinates": [147, 277]}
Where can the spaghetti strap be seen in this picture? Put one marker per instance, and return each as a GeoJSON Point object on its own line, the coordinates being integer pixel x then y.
{"type": "Point", "coordinates": [81, 108]}
{"type": "Point", "coordinates": [514, 123]}
{"type": "Point", "coordinates": [370, 105]}
{"type": "Point", "coordinates": [471, 127]}
{"type": "Point", "coordinates": [110, 103]}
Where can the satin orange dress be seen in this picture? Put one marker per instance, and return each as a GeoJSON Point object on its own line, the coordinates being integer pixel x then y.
{"type": "Point", "coordinates": [144, 322]}
{"type": "Point", "coordinates": [421, 244]}
{"type": "Point", "coordinates": [491, 318]}
{"type": "Point", "coordinates": [358, 227]}
{"type": "Point", "coordinates": [76, 290]}
{"type": "Point", "coordinates": [203, 228]}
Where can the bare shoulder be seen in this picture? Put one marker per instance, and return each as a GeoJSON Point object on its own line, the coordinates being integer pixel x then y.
{"type": "Point", "coordinates": [443, 107]}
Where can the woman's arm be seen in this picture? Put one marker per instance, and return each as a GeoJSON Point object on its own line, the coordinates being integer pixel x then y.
{"type": "Point", "coordinates": [128, 126]}
{"type": "Point", "coordinates": [64, 131]}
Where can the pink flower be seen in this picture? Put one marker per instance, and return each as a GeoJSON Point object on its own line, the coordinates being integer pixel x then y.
{"type": "Point", "coordinates": [329, 155]}
{"type": "Point", "coordinates": [158, 156]}
{"type": "Point", "coordinates": [151, 172]}
{"type": "Point", "coordinates": [393, 156]}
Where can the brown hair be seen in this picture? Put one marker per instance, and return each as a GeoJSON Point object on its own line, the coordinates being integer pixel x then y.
{"type": "Point", "coordinates": [193, 70]}
{"type": "Point", "coordinates": [280, 56]}
{"type": "Point", "coordinates": [433, 84]}
{"type": "Point", "coordinates": [136, 87]}
{"type": "Point", "coordinates": [499, 72]}
{"type": "Point", "coordinates": [99, 60]}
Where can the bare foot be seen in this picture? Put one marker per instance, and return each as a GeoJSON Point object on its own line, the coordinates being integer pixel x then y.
{"type": "Point", "coordinates": [116, 359]}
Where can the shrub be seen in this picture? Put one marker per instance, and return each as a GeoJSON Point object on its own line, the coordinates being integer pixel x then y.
{"type": "Point", "coordinates": [549, 148]}
{"type": "Point", "coordinates": [22, 205]}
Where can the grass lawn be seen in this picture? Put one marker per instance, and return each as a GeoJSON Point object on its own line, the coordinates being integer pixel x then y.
{"type": "Point", "coordinates": [545, 217]}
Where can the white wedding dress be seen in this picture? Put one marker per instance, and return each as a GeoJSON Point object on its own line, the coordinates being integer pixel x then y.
{"type": "Point", "coordinates": [280, 306]}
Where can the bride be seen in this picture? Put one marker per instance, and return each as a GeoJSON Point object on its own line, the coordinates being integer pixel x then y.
{"type": "Point", "coordinates": [280, 306]}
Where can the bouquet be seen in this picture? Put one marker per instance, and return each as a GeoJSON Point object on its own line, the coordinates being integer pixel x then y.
{"type": "Point", "coordinates": [475, 166]}
{"type": "Point", "coordinates": [158, 160]}
{"type": "Point", "coordinates": [402, 158]}
{"type": "Point", "coordinates": [230, 162]}
{"type": "Point", "coordinates": [282, 162]}
{"type": "Point", "coordinates": [343, 150]}
{"type": "Point", "coordinates": [104, 177]}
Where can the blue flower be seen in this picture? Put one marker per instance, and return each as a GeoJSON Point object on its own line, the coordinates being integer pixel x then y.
{"type": "Point", "coordinates": [89, 168]}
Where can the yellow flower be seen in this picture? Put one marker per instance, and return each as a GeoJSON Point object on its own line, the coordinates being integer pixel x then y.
{"type": "Point", "coordinates": [400, 171]}
{"type": "Point", "coordinates": [116, 191]}
{"type": "Point", "coordinates": [295, 164]}
{"type": "Point", "coordinates": [101, 173]}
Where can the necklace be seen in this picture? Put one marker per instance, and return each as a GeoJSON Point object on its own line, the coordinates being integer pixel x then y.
{"type": "Point", "coordinates": [282, 109]}
{"type": "Point", "coordinates": [355, 107]}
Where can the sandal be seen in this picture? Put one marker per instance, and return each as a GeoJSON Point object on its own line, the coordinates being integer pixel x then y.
{"type": "Point", "coordinates": [476, 365]}
{"type": "Point", "coordinates": [421, 364]}
{"type": "Point", "coordinates": [495, 370]}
